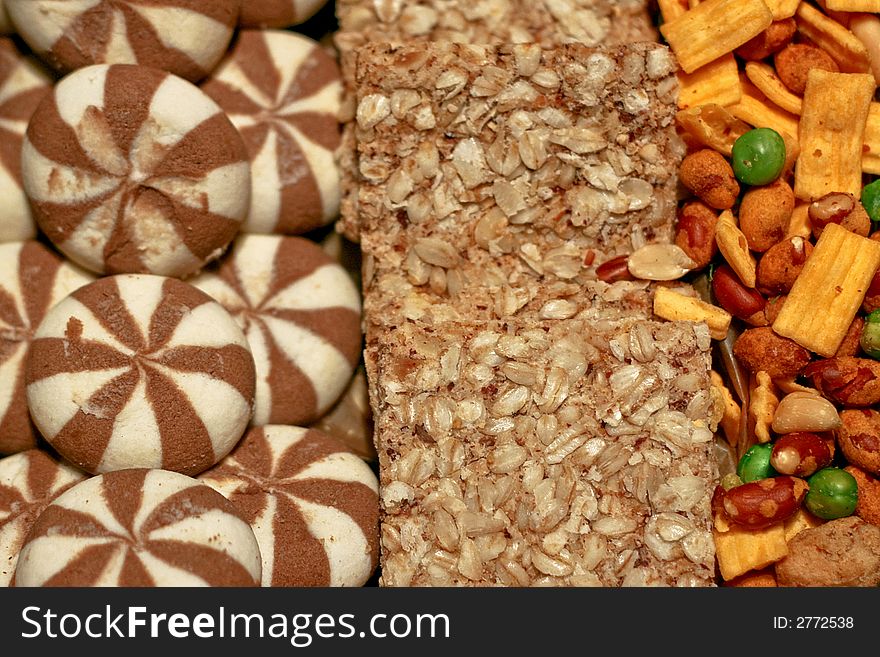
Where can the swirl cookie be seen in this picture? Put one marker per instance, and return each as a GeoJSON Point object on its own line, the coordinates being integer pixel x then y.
{"type": "Point", "coordinates": [32, 280]}
{"type": "Point", "coordinates": [23, 83]}
{"type": "Point", "coordinates": [312, 504]}
{"type": "Point", "coordinates": [301, 314]}
{"type": "Point", "coordinates": [351, 419]}
{"type": "Point", "coordinates": [140, 528]}
{"type": "Point", "coordinates": [282, 91]}
{"type": "Point", "coordinates": [131, 170]}
{"type": "Point", "coordinates": [6, 26]}
{"type": "Point", "coordinates": [140, 371]}
{"type": "Point", "coordinates": [28, 482]}
{"type": "Point", "coordinates": [278, 13]}
{"type": "Point", "coordinates": [184, 37]}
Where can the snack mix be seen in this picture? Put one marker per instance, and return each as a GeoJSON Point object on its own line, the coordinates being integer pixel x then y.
{"type": "Point", "coordinates": [440, 293]}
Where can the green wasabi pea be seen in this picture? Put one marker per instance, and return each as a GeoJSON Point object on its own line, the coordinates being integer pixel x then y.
{"type": "Point", "coordinates": [755, 464]}
{"type": "Point", "coordinates": [870, 339]}
{"type": "Point", "coordinates": [758, 156]}
{"type": "Point", "coordinates": [833, 493]}
{"type": "Point", "coordinates": [871, 200]}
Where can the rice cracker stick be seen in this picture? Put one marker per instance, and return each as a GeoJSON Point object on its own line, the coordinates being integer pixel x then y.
{"type": "Point", "coordinates": [832, 133]}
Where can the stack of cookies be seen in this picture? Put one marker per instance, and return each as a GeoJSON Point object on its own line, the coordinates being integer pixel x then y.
{"type": "Point", "coordinates": [534, 425]}
{"type": "Point", "coordinates": [169, 335]}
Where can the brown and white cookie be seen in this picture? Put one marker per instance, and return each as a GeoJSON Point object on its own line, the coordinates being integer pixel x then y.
{"type": "Point", "coordinates": [351, 419]}
{"type": "Point", "coordinates": [6, 26]}
{"type": "Point", "coordinates": [301, 314]}
{"type": "Point", "coordinates": [23, 83]}
{"type": "Point", "coordinates": [312, 504]}
{"type": "Point", "coordinates": [140, 371]}
{"type": "Point", "coordinates": [277, 13]}
{"type": "Point", "coordinates": [140, 528]}
{"type": "Point", "coordinates": [132, 170]}
{"type": "Point", "coordinates": [282, 91]}
{"type": "Point", "coordinates": [32, 280]}
{"type": "Point", "coordinates": [28, 482]}
{"type": "Point", "coordinates": [184, 37]}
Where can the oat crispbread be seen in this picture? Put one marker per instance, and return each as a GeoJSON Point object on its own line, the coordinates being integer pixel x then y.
{"type": "Point", "coordinates": [533, 426]}
{"type": "Point", "coordinates": [560, 453]}
{"type": "Point", "coordinates": [549, 23]}
{"type": "Point", "coordinates": [495, 179]}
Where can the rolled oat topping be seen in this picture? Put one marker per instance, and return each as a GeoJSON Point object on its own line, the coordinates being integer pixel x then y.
{"type": "Point", "coordinates": [556, 453]}
{"type": "Point", "coordinates": [496, 179]}
{"type": "Point", "coordinates": [549, 23]}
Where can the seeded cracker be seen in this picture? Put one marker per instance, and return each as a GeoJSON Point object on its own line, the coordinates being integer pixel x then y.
{"type": "Point", "coordinates": [547, 22]}
{"type": "Point", "coordinates": [496, 179]}
{"type": "Point", "coordinates": [560, 453]}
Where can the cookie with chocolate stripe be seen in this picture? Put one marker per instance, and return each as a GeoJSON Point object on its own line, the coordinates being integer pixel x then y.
{"type": "Point", "coordinates": [140, 371]}
{"type": "Point", "coordinates": [301, 314]}
{"type": "Point", "coordinates": [184, 37]}
{"type": "Point", "coordinates": [312, 503]}
{"type": "Point", "coordinates": [32, 280]}
{"type": "Point", "coordinates": [282, 91]}
{"type": "Point", "coordinates": [140, 528]}
{"type": "Point", "coordinates": [29, 481]}
{"type": "Point", "coordinates": [132, 170]}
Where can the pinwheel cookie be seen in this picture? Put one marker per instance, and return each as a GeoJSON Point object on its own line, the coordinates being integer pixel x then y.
{"type": "Point", "coordinates": [28, 482]}
{"type": "Point", "coordinates": [23, 83]}
{"type": "Point", "coordinates": [301, 314]}
{"type": "Point", "coordinates": [32, 280]}
{"type": "Point", "coordinates": [282, 91]}
{"type": "Point", "coordinates": [185, 37]}
{"type": "Point", "coordinates": [278, 13]}
{"type": "Point", "coordinates": [140, 371]}
{"type": "Point", "coordinates": [140, 528]}
{"type": "Point", "coordinates": [132, 170]}
{"type": "Point", "coordinates": [5, 23]}
{"type": "Point", "coordinates": [313, 505]}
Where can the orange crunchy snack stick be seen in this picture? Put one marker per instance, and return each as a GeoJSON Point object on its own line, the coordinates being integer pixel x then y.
{"type": "Point", "coordinates": [829, 291]}
{"type": "Point", "coordinates": [715, 83]}
{"type": "Point", "coordinates": [765, 79]}
{"type": "Point", "coordinates": [868, 6]}
{"type": "Point", "coordinates": [832, 37]}
{"type": "Point", "coordinates": [832, 133]}
{"type": "Point", "coordinates": [871, 150]}
{"type": "Point", "coordinates": [713, 29]}
{"type": "Point", "coordinates": [741, 550]}
{"type": "Point", "coordinates": [672, 9]}
{"type": "Point", "coordinates": [782, 9]}
{"type": "Point", "coordinates": [755, 109]}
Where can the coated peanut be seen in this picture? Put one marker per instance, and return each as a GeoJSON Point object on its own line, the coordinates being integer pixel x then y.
{"type": "Point", "coordinates": [696, 232]}
{"type": "Point", "coordinates": [780, 266]}
{"type": "Point", "coordinates": [765, 502]}
{"type": "Point", "coordinates": [708, 175]}
{"type": "Point", "coordinates": [847, 380]}
{"type": "Point", "coordinates": [765, 214]}
{"type": "Point", "coordinates": [859, 438]}
{"type": "Point", "coordinates": [762, 349]}
{"type": "Point", "coordinates": [796, 60]}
